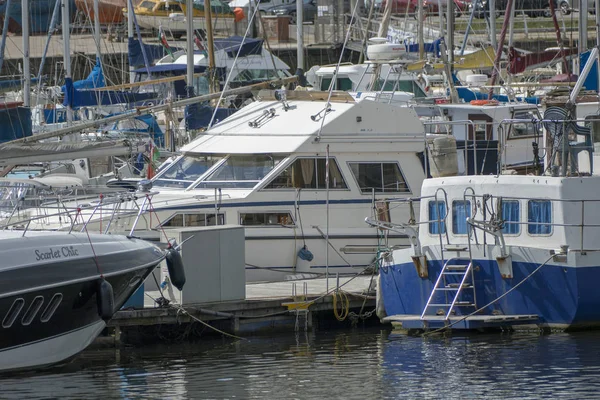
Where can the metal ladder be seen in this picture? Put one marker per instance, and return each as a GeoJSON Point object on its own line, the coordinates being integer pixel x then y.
{"type": "Point", "coordinates": [462, 268]}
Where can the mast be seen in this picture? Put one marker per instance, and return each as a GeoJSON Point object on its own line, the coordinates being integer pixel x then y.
{"type": "Point", "coordinates": [189, 14]}
{"type": "Point", "coordinates": [492, 6]}
{"type": "Point", "coordinates": [300, 35]}
{"type": "Point", "coordinates": [450, 34]}
{"type": "Point", "coordinates": [66, 50]}
{"type": "Point", "coordinates": [4, 33]}
{"type": "Point", "coordinates": [26, 66]}
{"type": "Point", "coordinates": [97, 30]}
{"type": "Point", "coordinates": [130, 38]}
{"type": "Point", "coordinates": [500, 47]}
{"type": "Point", "coordinates": [420, 39]}
{"type": "Point", "coordinates": [213, 85]}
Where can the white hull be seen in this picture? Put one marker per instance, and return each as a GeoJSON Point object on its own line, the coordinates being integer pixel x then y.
{"type": "Point", "coordinates": [51, 350]}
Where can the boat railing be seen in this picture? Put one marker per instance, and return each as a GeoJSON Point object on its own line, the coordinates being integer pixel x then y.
{"type": "Point", "coordinates": [82, 214]}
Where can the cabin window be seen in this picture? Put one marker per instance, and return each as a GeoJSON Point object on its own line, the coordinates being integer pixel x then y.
{"type": "Point", "coordinates": [175, 7]}
{"type": "Point", "coordinates": [401, 85]}
{"type": "Point", "coordinates": [51, 307]}
{"type": "Point", "coordinates": [461, 210]}
{"type": "Point", "coordinates": [13, 313]}
{"type": "Point", "coordinates": [511, 214]}
{"type": "Point", "coordinates": [266, 219]}
{"type": "Point", "coordinates": [344, 84]}
{"type": "Point", "coordinates": [539, 217]}
{"type": "Point", "coordinates": [241, 171]}
{"type": "Point", "coordinates": [382, 177]}
{"type": "Point", "coordinates": [32, 311]}
{"type": "Point", "coordinates": [309, 173]}
{"type": "Point", "coordinates": [194, 219]}
{"type": "Point", "coordinates": [148, 5]}
{"type": "Point", "coordinates": [527, 128]}
{"type": "Point", "coordinates": [437, 215]}
{"type": "Point", "coordinates": [185, 170]}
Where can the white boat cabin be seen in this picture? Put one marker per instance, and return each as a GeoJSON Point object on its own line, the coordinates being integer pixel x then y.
{"type": "Point", "coordinates": [483, 129]}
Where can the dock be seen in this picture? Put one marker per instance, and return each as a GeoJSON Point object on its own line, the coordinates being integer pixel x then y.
{"type": "Point", "coordinates": [288, 306]}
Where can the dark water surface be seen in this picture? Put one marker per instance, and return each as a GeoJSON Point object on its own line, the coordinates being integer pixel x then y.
{"type": "Point", "coordinates": [359, 364]}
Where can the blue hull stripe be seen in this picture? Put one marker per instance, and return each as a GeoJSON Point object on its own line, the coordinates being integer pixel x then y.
{"type": "Point", "coordinates": [557, 295]}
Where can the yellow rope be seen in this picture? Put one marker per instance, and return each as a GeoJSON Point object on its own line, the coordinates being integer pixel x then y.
{"type": "Point", "coordinates": [344, 305]}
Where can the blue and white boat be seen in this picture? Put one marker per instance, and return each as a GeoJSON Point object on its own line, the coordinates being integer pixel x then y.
{"type": "Point", "coordinates": [502, 250]}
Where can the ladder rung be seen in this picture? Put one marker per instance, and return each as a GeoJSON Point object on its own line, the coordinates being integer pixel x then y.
{"type": "Point", "coordinates": [459, 267]}
{"type": "Point", "coordinates": [457, 285]}
{"type": "Point", "coordinates": [439, 305]}
{"type": "Point", "coordinates": [464, 304]}
{"type": "Point", "coordinates": [455, 273]}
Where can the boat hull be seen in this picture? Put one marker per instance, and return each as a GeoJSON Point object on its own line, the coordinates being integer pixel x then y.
{"type": "Point", "coordinates": [109, 11]}
{"type": "Point", "coordinates": [560, 295]}
{"type": "Point", "coordinates": [49, 310]}
{"type": "Point", "coordinates": [179, 25]}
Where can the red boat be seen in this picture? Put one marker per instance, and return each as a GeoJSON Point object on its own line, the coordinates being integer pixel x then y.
{"type": "Point", "coordinates": [111, 11]}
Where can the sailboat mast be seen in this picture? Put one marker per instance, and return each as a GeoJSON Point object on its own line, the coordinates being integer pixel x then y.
{"type": "Point", "coordinates": [66, 50]}
{"type": "Point", "coordinates": [210, 46]}
{"type": "Point", "coordinates": [97, 29]}
{"type": "Point", "coordinates": [189, 15]}
{"type": "Point", "coordinates": [26, 65]}
{"type": "Point", "coordinates": [300, 34]}
{"type": "Point", "coordinates": [500, 47]}
{"type": "Point", "coordinates": [130, 34]}
{"type": "Point", "coordinates": [420, 39]}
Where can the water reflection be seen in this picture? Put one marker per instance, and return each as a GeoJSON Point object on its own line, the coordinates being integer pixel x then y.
{"type": "Point", "coordinates": [358, 364]}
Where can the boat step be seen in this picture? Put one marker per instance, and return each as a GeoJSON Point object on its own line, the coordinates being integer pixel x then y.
{"type": "Point", "coordinates": [455, 273]}
{"type": "Point", "coordinates": [455, 288]}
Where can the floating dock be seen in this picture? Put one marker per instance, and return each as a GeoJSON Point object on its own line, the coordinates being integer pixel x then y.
{"type": "Point", "coordinates": [268, 308]}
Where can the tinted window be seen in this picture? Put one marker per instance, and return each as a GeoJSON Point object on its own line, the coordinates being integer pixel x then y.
{"type": "Point", "coordinates": [437, 211]}
{"type": "Point", "coordinates": [539, 217]}
{"type": "Point", "coordinates": [309, 173]}
{"type": "Point", "coordinates": [511, 214]}
{"type": "Point", "coordinates": [382, 177]}
{"type": "Point", "coordinates": [461, 210]}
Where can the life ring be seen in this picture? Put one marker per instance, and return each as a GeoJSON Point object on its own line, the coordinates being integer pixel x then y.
{"type": "Point", "coordinates": [484, 102]}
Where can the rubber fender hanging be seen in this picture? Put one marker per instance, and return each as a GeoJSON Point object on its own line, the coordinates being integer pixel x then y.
{"type": "Point", "coordinates": [176, 270]}
{"type": "Point", "coordinates": [105, 299]}
{"type": "Point", "coordinates": [305, 254]}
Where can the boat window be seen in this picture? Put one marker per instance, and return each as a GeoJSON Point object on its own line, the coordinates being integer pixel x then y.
{"type": "Point", "coordinates": [527, 128]}
{"type": "Point", "coordinates": [241, 171]}
{"type": "Point", "coordinates": [51, 307]}
{"type": "Point", "coordinates": [269, 219]}
{"type": "Point", "coordinates": [309, 173]}
{"type": "Point", "coordinates": [175, 7]}
{"type": "Point", "coordinates": [32, 311]}
{"type": "Point", "coordinates": [400, 85]}
{"type": "Point", "coordinates": [511, 214]}
{"type": "Point", "coordinates": [437, 210]}
{"type": "Point", "coordinates": [539, 217]}
{"type": "Point", "coordinates": [184, 171]}
{"type": "Point", "coordinates": [13, 313]}
{"type": "Point", "coordinates": [148, 5]}
{"type": "Point", "coordinates": [340, 84]}
{"type": "Point", "coordinates": [461, 210]}
{"type": "Point", "coordinates": [193, 219]}
{"type": "Point", "coordinates": [383, 177]}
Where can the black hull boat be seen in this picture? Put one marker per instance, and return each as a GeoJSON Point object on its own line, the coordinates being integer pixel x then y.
{"type": "Point", "coordinates": [52, 297]}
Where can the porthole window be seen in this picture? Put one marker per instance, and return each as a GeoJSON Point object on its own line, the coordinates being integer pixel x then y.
{"type": "Point", "coordinates": [13, 313]}
{"type": "Point", "coordinates": [51, 307]}
{"type": "Point", "coordinates": [32, 311]}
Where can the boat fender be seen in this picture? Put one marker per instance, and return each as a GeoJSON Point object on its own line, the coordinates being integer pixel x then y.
{"type": "Point", "coordinates": [305, 254]}
{"type": "Point", "coordinates": [105, 299]}
{"type": "Point", "coordinates": [176, 270]}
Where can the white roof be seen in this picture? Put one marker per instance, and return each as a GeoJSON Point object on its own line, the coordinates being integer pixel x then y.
{"type": "Point", "coordinates": [280, 131]}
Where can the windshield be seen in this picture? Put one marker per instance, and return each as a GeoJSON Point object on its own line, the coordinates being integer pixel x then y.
{"type": "Point", "coordinates": [185, 170]}
{"type": "Point", "coordinates": [241, 171]}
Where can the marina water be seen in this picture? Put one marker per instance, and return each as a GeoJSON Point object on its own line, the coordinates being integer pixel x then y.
{"type": "Point", "coordinates": [356, 364]}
